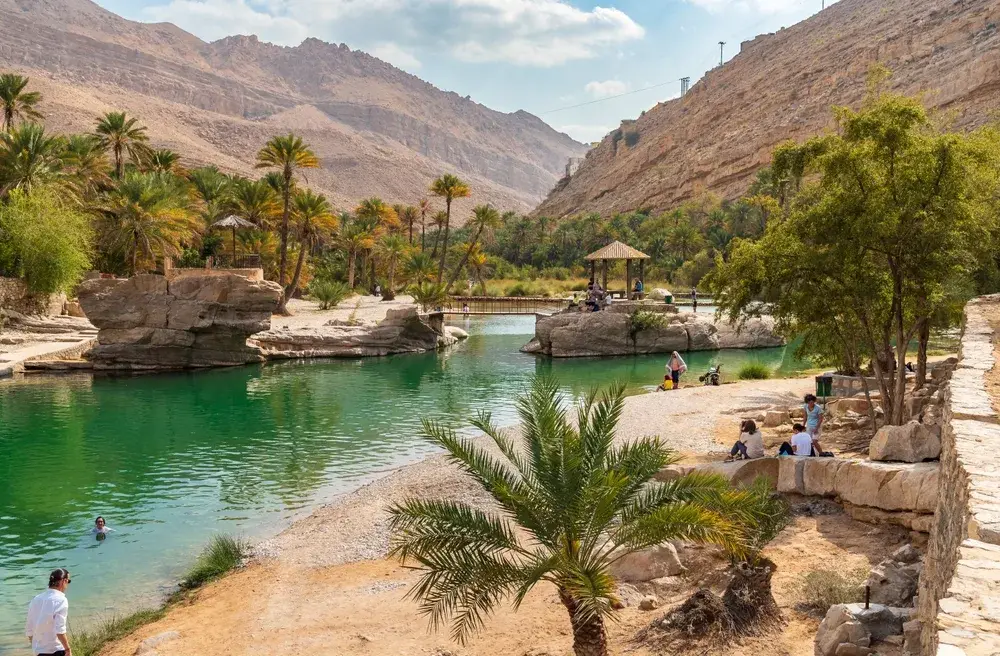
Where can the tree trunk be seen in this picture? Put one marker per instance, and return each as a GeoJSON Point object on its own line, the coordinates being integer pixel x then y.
{"type": "Point", "coordinates": [465, 258]}
{"type": "Point", "coordinates": [748, 598]}
{"type": "Point", "coordinates": [589, 636]}
{"type": "Point", "coordinates": [283, 262]}
{"type": "Point", "coordinates": [373, 281]}
{"type": "Point", "coordinates": [924, 338]}
{"type": "Point", "coordinates": [389, 293]}
{"type": "Point", "coordinates": [444, 248]}
{"type": "Point", "coordinates": [423, 237]}
{"type": "Point", "coordinates": [303, 247]}
{"type": "Point", "coordinates": [352, 259]}
{"type": "Point", "coordinates": [434, 250]}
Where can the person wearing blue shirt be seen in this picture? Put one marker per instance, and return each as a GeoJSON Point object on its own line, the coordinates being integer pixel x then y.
{"type": "Point", "coordinates": [814, 419]}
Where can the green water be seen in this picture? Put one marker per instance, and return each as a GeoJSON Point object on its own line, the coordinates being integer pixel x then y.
{"type": "Point", "coordinates": [170, 459]}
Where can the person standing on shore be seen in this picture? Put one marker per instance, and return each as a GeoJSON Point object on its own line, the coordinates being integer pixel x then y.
{"type": "Point", "coordinates": [48, 615]}
{"type": "Point", "coordinates": [814, 420]}
{"type": "Point", "coordinates": [694, 298]}
{"type": "Point", "coordinates": [675, 367]}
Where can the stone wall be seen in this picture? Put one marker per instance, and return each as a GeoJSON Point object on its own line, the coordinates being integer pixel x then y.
{"type": "Point", "coordinates": [175, 273]}
{"type": "Point", "coordinates": [959, 597]}
{"type": "Point", "coordinates": [14, 295]}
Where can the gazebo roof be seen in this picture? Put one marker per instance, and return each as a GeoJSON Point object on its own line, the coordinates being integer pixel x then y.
{"type": "Point", "coordinates": [617, 251]}
{"type": "Point", "coordinates": [233, 221]}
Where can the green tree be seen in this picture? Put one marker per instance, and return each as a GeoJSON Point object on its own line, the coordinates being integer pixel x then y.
{"type": "Point", "coordinates": [125, 138]}
{"type": "Point", "coordinates": [214, 192]}
{"type": "Point", "coordinates": [356, 237]}
{"type": "Point", "coordinates": [419, 267]}
{"type": "Point", "coordinates": [288, 154]}
{"type": "Point", "coordinates": [485, 219]}
{"type": "Point", "coordinates": [315, 219]}
{"type": "Point", "coordinates": [408, 216]}
{"type": "Point", "coordinates": [28, 158]}
{"type": "Point", "coordinates": [393, 247]}
{"type": "Point", "coordinates": [165, 161]}
{"type": "Point", "coordinates": [85, 165]}
{"type": "Point", "coordinates": [890, 211]}
{"type": "Point", "coordinates": [582, 502]}
{"type": "Point", "coordinates": [448, 187]}
{"type": "Point", "coordinates": [44, 239]}
{"type": "Point", "coordinates": [17, 103]}
{"type": "Point", "coordinates": [146, 215]}
{"type": "Point", "coordinates": [256, 201]}
{"type": "Point", "coordinates": [424, 207]}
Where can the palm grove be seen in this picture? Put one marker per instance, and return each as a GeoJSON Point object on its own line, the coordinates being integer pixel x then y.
{"type": "Point", "coordinates": [108, 200]}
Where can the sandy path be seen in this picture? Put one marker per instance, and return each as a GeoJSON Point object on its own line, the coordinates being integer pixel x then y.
{"type": "Point", "coordinates": [322, 584]}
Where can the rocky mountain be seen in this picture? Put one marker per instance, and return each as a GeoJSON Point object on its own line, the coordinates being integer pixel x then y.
{"type": "Point", "coordinates": [378, 130]}
{"type": "Point", "coordinates": [782, 86]}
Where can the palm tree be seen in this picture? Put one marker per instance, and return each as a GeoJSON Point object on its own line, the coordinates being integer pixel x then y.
{"type": "Point", "coordinates": [382, 218]}
{"type": "Point", "coordinates": [165, 161]}
{"type": "Point", "coordinates": [424, 206]}
{"type": "Point", "coordinates": [85, 165]}
{"type": "Point", "coordinates": [409, 216]}
{"type": "Point", "coordinates": [28, 158]}
{"type": "Point", "coordinates": [356, 237]}
{"type": "Point", "coordinates": [124, 137]}
{"type": "Point", "coordinates": [438, 221]}
{"type": "Point", "coordinates": [212, 188]}
{"type": "Point", "coordinates": [16, 102]}
{"type": "Point", "coordinates": [146, 215]}
{"type": "Point", "coordinates": [255, 200]}
{"type": "Point", "coordinates": [448, 187]}
{"type": "Point", "coordinates": [315, 218]}
{"type": "Point", "coordinates": [393, 247]}
{"type": "Point", "coordinates": [582, 502]}
{"type": "Point", "coordinates": [289, 154]}
{"type": "Point", "coordinates": [478, 264]}
{"type": "Point", "coordinates": [419, 268]}
{"type": "Point", "coordinates": [485, 219]}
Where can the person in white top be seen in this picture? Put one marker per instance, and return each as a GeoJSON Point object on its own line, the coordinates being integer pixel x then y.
{"type": "Point", "coordinates": [101, 528]}
{"type": "Point", "coordinates": [751, 442]}
{"type": "Point", "coordinates": [48, 614]}
{"type": "Point", "coordinates": [802, 442]}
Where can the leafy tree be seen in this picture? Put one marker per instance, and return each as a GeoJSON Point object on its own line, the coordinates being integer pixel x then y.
{"type": "Point", "coordinates": [394, 248]}
{"type": "Point", "coordinates": [582, 502]}
{"type": "Point", "coordinates": [438, 221]}
{"type": "Point", "coordinates": [356, 237]}
{"type": "Point", "coordinates": [408, 216]}
{"type": "Point", "coordinates": [85, 165]}
{"type": "Point", "coordinates": [44, 239]}
{"type": "Point", "coordinates": [28, 158]}
{"type": "Point", "coordinates": [165, 161]}
{"type": "Point", "coordinates": [419, 267]}
{"type": "Point", "coordinates": [145, 215]}
{"type": "Point", "coordinates": [315, 218]}
{"type": "Point", "coordinates": [424, 206]}
{"type": "Point", "coordinates": [889, 212]}
{"type": "Point", "coordinates": [17, 104]}
{"type": "Point", "coordinates": [256, 201]}
{"type": "Point", "coordinates": [478, 262]}
{"type": "Point", "coordinates": [288, 154]}
{"type": "Point", "coordinates": [448, 187]}
{"type": "Point", "coordinates": [428, 295]}
{"type": "Point", "coordinates": [485, 219]}
{"type": "Point", "coordinates": [125, 138]}
{"type": "Point", "coordinates": [213, 189]}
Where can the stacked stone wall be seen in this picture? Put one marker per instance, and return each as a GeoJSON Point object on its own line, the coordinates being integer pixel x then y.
{"type": "Point", "coordinates": [959, 596]}
{"type": "Point", "coordinates": [14, 295]}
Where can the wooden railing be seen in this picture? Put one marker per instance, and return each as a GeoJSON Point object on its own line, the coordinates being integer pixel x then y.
{"type": "Point", "coordinates": [241, 261]}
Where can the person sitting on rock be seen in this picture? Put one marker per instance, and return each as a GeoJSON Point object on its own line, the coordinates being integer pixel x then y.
{"type": "Point", "coordinates": [666, 385]}
{"type": "Point", "coordinates": [750, 444]}
{"type": "Point", "coordinates": [801, 444]}
{"type": "Point", "coordinates": [592, 297]}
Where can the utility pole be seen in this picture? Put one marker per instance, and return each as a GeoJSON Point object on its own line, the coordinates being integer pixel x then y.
{"type": "Point", "coordinates": [722, 46]}
{"type": "Point", "coordinates": [685, 85]}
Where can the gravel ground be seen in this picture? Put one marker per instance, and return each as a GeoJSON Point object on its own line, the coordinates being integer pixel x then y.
{"type": "Point", "coordinates": [366, 309]}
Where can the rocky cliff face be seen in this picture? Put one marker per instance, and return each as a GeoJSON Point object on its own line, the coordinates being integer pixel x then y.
{"type": "Point", "coordinates": [377, 129]}
{"type": "Point", "coordinates": [782, 86]}
{"type": "Point", "coordinates": [148, 323]}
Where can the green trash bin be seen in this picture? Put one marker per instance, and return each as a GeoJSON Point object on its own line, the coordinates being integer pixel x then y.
{"type": "Point", "coordinates": [824, 386]}
{"type": "Point", "coordinates": [668, 298]}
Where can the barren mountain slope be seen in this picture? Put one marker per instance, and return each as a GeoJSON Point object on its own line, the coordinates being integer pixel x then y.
{"type": "Point", "coordinates": [781, 86]}
{"type": "Point", "coordinates": [386, 132]}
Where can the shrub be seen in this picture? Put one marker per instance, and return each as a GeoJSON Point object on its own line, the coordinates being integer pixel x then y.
{"type": "Point", "coordinates": [641, 320]}
{"type": "Point", "coordinates": [90, 643]}
{"type": "Point", "coordinates": [328, 293]}
{"type": "Point", "coordinates": [429, 295]}
{"type": "Point", "coordinates": [44, 239]}
{"type": "Point", "coordinates": [821, 589]}
{"type": "Point", "coordinates": [556, 273]}
{"type": "Point", "coordinates": [223, 554]}
{"type": "Point", "coordinates": [754, 371]}
{"type": "Point", "coordinates": [190, 259]}
{"type": "Point", "coordinates": [519, 289]}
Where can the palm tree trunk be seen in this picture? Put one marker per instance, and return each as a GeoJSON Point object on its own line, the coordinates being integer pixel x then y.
{"type": "Point", "coordinates": [352, 259]}
{"type": "Point", "coordinates": [589, 636]}
{"type": "Point", "coordinates": [465, 258]}
{"type": "Point", "coordinates": [748, 598]}
{"type": "Point", "coordinates": [423, 235]}
{"type": "Point", "coordinates": [389, 293]}
{"type": "Point", "coordinates": [286, 193]}
{"type": "Point", "coordinates": [444, 249]}
{"type": "Point", "coordinates": [303, 247]}
{"type": "Point", "coordinates": [373, 281]}
{"type": "Point", "coordinates": [434, 249]}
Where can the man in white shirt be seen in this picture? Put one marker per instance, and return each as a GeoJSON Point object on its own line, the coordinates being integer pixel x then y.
{"type": "Point", "coordinates": [802, 442]}
{"type": "Point", "coordinates": [47, 618]}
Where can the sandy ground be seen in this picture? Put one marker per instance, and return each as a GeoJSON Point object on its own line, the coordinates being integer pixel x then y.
{"type": "Point", "coordinates": [323, 586]}
{"type": "Point", "coordinates": [366, 309]}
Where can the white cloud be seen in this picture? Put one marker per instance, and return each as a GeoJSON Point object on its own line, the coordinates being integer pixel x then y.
{"type": "Point", "coordinates": [522, 32]}
{"type": "Point", "coordinates": [606, 88]}
{"type": "Point", "coordinates": [392, 53]}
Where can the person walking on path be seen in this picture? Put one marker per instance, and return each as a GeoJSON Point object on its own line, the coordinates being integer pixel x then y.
{"type": "Point", "coordinates": [48, 615]}
{"type": "Point", "coordinates": [675, 367]}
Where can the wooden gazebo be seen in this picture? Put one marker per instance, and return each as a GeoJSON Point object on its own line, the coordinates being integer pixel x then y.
{"type": "Point", "coordinates": [617, 251]}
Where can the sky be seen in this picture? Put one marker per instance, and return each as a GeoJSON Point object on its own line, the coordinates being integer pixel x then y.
{"type": "Point", "coordinates": [553, 58]}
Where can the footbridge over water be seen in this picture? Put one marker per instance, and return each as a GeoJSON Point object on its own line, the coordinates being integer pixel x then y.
{"type": "Point", "coordinates": [492, 305]}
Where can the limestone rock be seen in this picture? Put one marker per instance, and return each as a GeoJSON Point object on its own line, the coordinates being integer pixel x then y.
{"type": "Point", "coordinates": [754, 333]}
{"type": "Point", "coordinates": [775, 418]}
{"type": "Point", "coordinates": [195, 321]}
{"type": "Point", "coordinates": [911, 442]}
{"type": "Point", "coordinates": [149, 645]}
{"type": "Point", "coordinates": [912, 636]}
{"type": "Point", "coordinates": [649, 602]}
{"type": "Point", "coordinates": [653, 563]}
{"type": "Point", "coordinates": [893, 582]}
{"type": "Point", "coordinates": [852, 629]}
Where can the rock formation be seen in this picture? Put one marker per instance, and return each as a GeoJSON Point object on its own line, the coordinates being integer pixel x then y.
{"type": "Point", "coordinates": [852, 629]}
{"type": "Point", "coordinates": [781, 86]}
{"type": "Point", "coordinates": [378, 130]}
{"type": "Point", "coordinates": [911, 442]}
{"type": "Point", "coordinates": [148, 323]}
{"type": "Point", "coordinates": [893, 582]}
{"type": "Point", "coordinates": [402, 331]}
{"type": "Point", "coordinates": [574, 334]}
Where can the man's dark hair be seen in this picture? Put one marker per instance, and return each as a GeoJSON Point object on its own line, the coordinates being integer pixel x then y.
{"type": "Point", "coordinates": [99, 518]}
{"type": "Point", "coordinates": [57, 575]}
{"type": "Point", "coordinates": [810, 397]}
{"type": "Point", "coordinates": [798, 428]}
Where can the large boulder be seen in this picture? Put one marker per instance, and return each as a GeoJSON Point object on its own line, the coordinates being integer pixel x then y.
{"type": "Point", "coordinates": [853, 629]}
{"type": "Point", "coordinates": [911, 442]}
{"type": "Point", "coordinates": [149, 323]}
{"type": "Point", "coordinates": [753, 333]}
{"type": "Point", "coordinates": [893, 582]}
{"type": "Point", "coordinates": [649, 564]}
{"type": "Point", "coordinates": [403, 330]}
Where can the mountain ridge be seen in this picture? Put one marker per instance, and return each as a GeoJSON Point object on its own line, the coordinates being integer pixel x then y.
{"type": "Point", "coordinates": [396, 131]}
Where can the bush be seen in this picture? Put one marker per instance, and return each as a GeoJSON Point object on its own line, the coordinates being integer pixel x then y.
{"type": "Point", "coordinates": [754, 371]}
{"type": "Point", "coordinates": [821, 589]}
{"type": "Point", "coordinates": [223, 554]}
{"type": "Point", "coordinates": [556, 273]}
{"type": "Point", "coordinates": [90, 643]}
{"type": "Point", "coordinates": [641, 320]}
{"type": "Point", "coordinates": [190, 259]}
{"type": "Point", "coordinates": [328, 293]}
{"type": "Point", "coordinates": [519, 289]}
{"type": "Point", "coordinates": [44, 239]}
{"type": "Point", "coordinates": [429, 295]}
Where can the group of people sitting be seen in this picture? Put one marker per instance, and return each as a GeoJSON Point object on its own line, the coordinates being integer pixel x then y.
{"type": "Point", "coordinates": [804, 440]}
{"type": "Point", "coordinates": [597, 298]}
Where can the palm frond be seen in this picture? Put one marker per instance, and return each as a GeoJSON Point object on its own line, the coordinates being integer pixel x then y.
{"type": "Point", "coordinates": [425, 527]}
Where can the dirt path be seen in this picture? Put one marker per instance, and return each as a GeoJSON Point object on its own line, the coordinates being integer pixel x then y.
{"type": "Point", "coordinates": [322, 586]}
